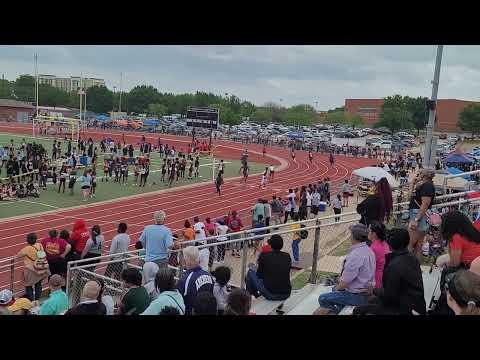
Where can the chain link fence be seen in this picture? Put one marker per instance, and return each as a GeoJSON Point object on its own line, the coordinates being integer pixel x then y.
{"type": "Point", "coordinates": [309, 242]}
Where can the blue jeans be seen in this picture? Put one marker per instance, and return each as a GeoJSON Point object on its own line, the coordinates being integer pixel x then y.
{"type": "Point", "coordinates": [295, 250]}
{"type": "Point", "coordinates": [255, 285]}
{"type": "Point", "coordinates": [38, 291]}
{"type": "Point", "coordinates": [336, 300]}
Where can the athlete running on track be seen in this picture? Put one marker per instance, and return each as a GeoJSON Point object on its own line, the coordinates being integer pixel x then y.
{"type": "Point", "coordinates": [264, 151]}
{"type": "Point", "coordinates": [263, 179]}
{"type": "Point", "coordinates": [219, 182]}
{"type": "Point", "coordinates": [310, 156]}
{"type": "Point", "coordinates": [271, 173]}
{"type": "Point", "coordinates": [293, 154]}
{"type": "Point", "coordinates": [332, 160]}
{"type": "Point", "coordinates": [244, 170]}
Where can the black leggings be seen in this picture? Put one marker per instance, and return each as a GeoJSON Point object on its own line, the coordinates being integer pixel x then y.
{"type": "Point", "coordinates": [286, 215]}
{"type": "Point", "coordinates": [62, 182]}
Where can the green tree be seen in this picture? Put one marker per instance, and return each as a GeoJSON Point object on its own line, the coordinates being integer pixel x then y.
{"type": "Point", "coordinates": [51, 96]}
{"type": "Point", "coordinates": [99, 99]}
{"type": "Point", "coordinates": [262, 115]}
{"type": "Point", "coordinates": [6, 89]}
{"type": "Point", "coordinates": [469, 119]}
{"type": "Point", "coordinates": [335, 118]}
{"type": "Point", "coordinates": [24, 88]}
{"type": "Point", "coordinates": [138, 99]}
{"type": "Point", "coordinates": [300, 115]}
{"type": "Point", "coordinates": [157, 110]}
{"type": "Point", "coordinates": [395, 118]}
{"type": "Point", "coordinates": [353, 120]}
{"type": "Point", "coordinates": [418, 108]}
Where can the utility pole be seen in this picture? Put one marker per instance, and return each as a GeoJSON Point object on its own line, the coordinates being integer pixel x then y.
{"type": "Point", "coordinates": [36, 84]}
{"type": "Point", "coordinates": [120, 101]}
{"type": "Point", "coordinates": [432, 104]}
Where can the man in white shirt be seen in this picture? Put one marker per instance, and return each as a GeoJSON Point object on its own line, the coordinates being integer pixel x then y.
{"type": "Point", "coordinates": [221, 230]}
{"type": "Point", "coordinates": [199, 229]}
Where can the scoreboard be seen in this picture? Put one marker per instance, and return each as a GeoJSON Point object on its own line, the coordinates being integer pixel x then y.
{"type": "Point", "coordinates": [203, 118]}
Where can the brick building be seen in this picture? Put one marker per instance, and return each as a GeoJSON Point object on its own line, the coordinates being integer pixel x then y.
{"type": "Point", "coordinates": [448, 111]}
{"type": "Point", "coordinates": [13, 110]}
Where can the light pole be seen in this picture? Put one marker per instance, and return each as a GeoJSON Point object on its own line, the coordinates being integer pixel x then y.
{"type": "Point", "coordinates": [432, 109]}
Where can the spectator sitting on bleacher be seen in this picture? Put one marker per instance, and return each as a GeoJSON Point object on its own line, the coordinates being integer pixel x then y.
{"type": "Point", "coordinates": [136, 300]}
{"type": "Point", "coordinates": [194, 280]}
{"type": "Point", "coordinates": [205, 304]}
{"type": "Point", "coordinates": [89, 304]}
{"type": "Point", "coordinates": [463, 239]}
{"type": "Point", "coordinates": [221, 289]}
{"type": "Point", "coordinates": [6, 299]}
{"type": "Point", "coordinates": [357, 277]}
{"type": "Point", "coordinates": [150, 270]}
{"type": "Point", "coordinates": [463, 293]}
{"type": "Point", "coordinates": [57, 302]}
{"type": "Point", "coordinates": [168, 295]}
{"type": "Point", "coordinates": [402, 289]}
{"type": "Point", "coordinates": [272, 277]}
{"type": "Point", "coordinates": [21, 306]}
{"type": "Point", "coordinates": [239, 302]}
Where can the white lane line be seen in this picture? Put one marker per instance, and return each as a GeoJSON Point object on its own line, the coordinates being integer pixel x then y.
{"type": "Point", "coordinates": [39, 203]}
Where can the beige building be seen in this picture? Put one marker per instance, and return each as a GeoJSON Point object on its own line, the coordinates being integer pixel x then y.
{"type": "Point", "coordinates": [71, 83]}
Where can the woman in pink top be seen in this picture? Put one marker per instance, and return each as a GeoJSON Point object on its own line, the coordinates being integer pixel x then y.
{"type": "Point", "coordinates": [377, 236]}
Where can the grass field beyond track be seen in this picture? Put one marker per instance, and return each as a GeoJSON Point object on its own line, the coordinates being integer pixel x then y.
{"type": "Point", "coordinates": [50, 199]}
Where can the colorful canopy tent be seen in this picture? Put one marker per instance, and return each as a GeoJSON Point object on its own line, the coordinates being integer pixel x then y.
{"type": "Point", "coordinates": [457, 157]}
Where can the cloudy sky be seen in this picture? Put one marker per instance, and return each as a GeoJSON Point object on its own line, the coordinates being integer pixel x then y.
{"type": "Point", "coordinates": [295, 74]}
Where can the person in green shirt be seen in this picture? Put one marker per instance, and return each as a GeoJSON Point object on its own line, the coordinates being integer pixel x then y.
{"type": "Point", "coordinates": [136, 300]}
{"type": "Point", "coordinates": [168, 294]}
{"type": "Point", "coordinates": [57, 302]}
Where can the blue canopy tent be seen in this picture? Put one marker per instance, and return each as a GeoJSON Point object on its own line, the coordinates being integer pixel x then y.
{"type": "Point", "coordinates": [458, 158]}
{"type": "Point", "coordinates": [102, 118]}
{"type": "Point", "coordinates": [151, 122]}
{"type": "Point", "coordinates": [454, 171]}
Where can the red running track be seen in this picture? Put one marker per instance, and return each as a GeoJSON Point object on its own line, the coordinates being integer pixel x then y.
{"type": "Point", "coordinates": [179, 204]}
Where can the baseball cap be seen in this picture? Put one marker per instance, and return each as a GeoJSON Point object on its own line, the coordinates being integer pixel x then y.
{"type": "Point", "coordinates": [21, 304]}
{"type": "Point", "coordinates": [6, 297]}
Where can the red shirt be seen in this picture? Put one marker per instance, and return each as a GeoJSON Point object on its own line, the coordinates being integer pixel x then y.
{"type": "Point", "coordinates": [53, 247]}
{"type": "Point", "coordinates": [79, 239]}
{"type": "Point", "coordinates": [210, 227]}
{"type": "Point", "coordinates": [235, 224]}
{"type": "Point", "coordinates": [266, 248]}
{"type": "Point", "coordinates": [470, 250]}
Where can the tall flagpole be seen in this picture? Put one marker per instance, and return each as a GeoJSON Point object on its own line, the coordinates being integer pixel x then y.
{"type": "Point", "coordinates": [120, 101]}
{"type": "Point", "coordinates": [36, 94]}
{"type": "Point", "coordinates": [427, 159]}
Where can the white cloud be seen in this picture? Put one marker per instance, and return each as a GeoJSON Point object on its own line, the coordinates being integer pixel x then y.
{"type": "Point", "coordinates": [297, 74]}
